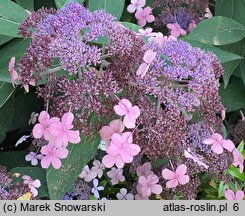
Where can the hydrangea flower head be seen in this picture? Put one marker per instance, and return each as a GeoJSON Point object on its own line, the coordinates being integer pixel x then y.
{"type": "Point", "coordinates": [144, 16]}
{"type": "Point", "coordinates": [135, 5]}
{"type": "Point", "coordinates": [52, 155]}
{"type": "Point", "coordinates": [176, 177]}
{"type": "Point", "coordinates": [130, 113]}
{"type": "Point", "coordinates": [121, 150]}
{"type": "Point", "coordinates": [219, 144]}
{"type": "Point", "coordinates": [230, 195]}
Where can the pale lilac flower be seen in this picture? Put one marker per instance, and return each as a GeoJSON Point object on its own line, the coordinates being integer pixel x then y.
{"type": "Point", "coordinates": [87, 174]}
{"type": "Point", "coordinates": [144, 16]}
{"type": "Point", "coordinates": [32, 184]}
{"type": "Point", "coordinates": [130, 113]}
{"type": "Point", "coordinates": [33, 157]}
{"type": "Point", "coordinates": [148, 58]}
{"type": "Point", "coordinates": [21, 140]}
{"type": "Point", "coordinates": [116, 175]}
{"type": "Point", "coordinates": [33, 118]}
{"type": "Point", "coordinates": [121, 150]}
{"type": "Point", "coordinates": [135, 5]}
{"type": "Point", "coordinates": [12, 72]}
{"type": "Point", "coordinates": [102, 145]}
{"type": "Point", "coordinates": [52, 155]}
{"type": "Point", "coordinates": [62, 132]}
{"type": "Point", "coordinates": [123, 195]}
{"type": "Point", "coordinates": [144, 170]}
{"type": "Point", "coordinates": [96, 188]}
{"type": "Point", "coordinates": [148, 185]}
{"type": "Point", "coordinates": [230, 195]}
{"type": "Point", "coordinates": [176, 177]}
{"type": "Point", "coordinates": [219, 144]}
{"type": "Point", "coordinates": [175, 29]}
{"type": "Point", "coordinates": [238, 160]}
{"type": "Point", "coordinates": [98, 168]}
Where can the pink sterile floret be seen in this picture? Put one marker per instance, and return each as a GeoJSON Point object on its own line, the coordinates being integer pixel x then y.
{"type": "Point", "coordinates": [41, 129]}
{"type": "Point", "coordinates": [135, 5]}
{"type": "Point", "coordinates": [62, 132]}
{"type": "Point", "coordinates": [219, 144]}
{"type": "Point", "coordinates": [175, 29]}
{"type": "Point", "coordinates": [130, 113]}
{"type": "Point", "coordinates": [53, 155]}
{"type": "Point", "coordinates": [176, 177]}
{"type": "Point", "coordinates": [230, 195]}
{"type": "Point", "coordinates": [144, 16]}
{"type": "Point", "coordinates": [121, 150]}
{"type": "Point", "coordinates": [148, 185]}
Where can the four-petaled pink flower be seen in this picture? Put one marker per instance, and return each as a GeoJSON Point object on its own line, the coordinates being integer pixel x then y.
{"type": "Point", "coordinates": [130, 113]}
{"type": "Point", "coordinates": [189, 154]}
{"type": "Point", "coordinates": [175, 29]}
{"type": "Point", "coordinates": [238, 160]}
{"type": "Point", "coordinates": [121, 150]}
{"type": "Point", "coordinates": [144, 170]}
{"type": "Point", "coordinates": [177, 177]}
{"type": "Point", "coordinates": [219, 144]}
{"type": "Point", "coordinates": [230, 195]}
{"type": "Point", "coordinates": [115, 126]}
{"type": "Point", "coordinates": [144, 16]}
{"type": "Point", "coordinates": [53, 155]}
{"type": "Point", "coordinates": [12, 72]}
{"type": "Point", "coordinates": [98, 168]}
{"type": "Point", "coordinates": [41, 129]}
{"type": "Point", "coordinates": [148, 185]}
{"type": "Point", "coordinates": [32, 184]}
{"type": "Point", "coordinates": [148, 58]}
{"type": "Point", "coordinates": [116, 175]}
{"type": "Point", "coordinates": [147, 32]}
{"type": "Point", "coordinates": [33, 157]}
{"type": "Point", "coordinates": [135, 5]}
{"type": "Point", "coordinates": [62, 132]}
{"type": "Point", "coordinates": [87, 174]}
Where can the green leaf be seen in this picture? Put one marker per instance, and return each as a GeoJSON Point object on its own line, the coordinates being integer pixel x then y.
{"type": "Point", "coordinates": [113, 7]}
{"type": "Point", "coordinates": [61, 3]}
{"type": "Point", "coordinates": [13, 159]}
{"type": "Point", "coordinates": [11, 16]}
{"type": "Point", "coordinates": [6, 117]}
{"type": "Point", "coordinates": [231, 8]}
{"type": "Point", "coordinates": [4, 39]}
{"type": "Point", "coordinates": [241, 147]}
{"type": "Point", "coordinates": [27, 4]}
{"type": "Point", "coordinates": [242, 70]}
{"type": "Point", "coordinates": [6, 90]}
{"type": "Point", "coordinates": [222, 55]}
{"type": "Point", "coordinates": [131, 26]}
{"type": "Point", "coordinates": [16, 48]}
{"type": "Point", "coordinates": [232, 97]}
{"type": "Point", "coordinates": [221, 189]}
{"type": "Point", "coordinates": [60, 181]}
{"type": "Point", "coordinates": [235, 172]}
{"type": "Point", "coordinates": [34, 173]}
{"type": "Point", "coordinates": [217, 31]}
